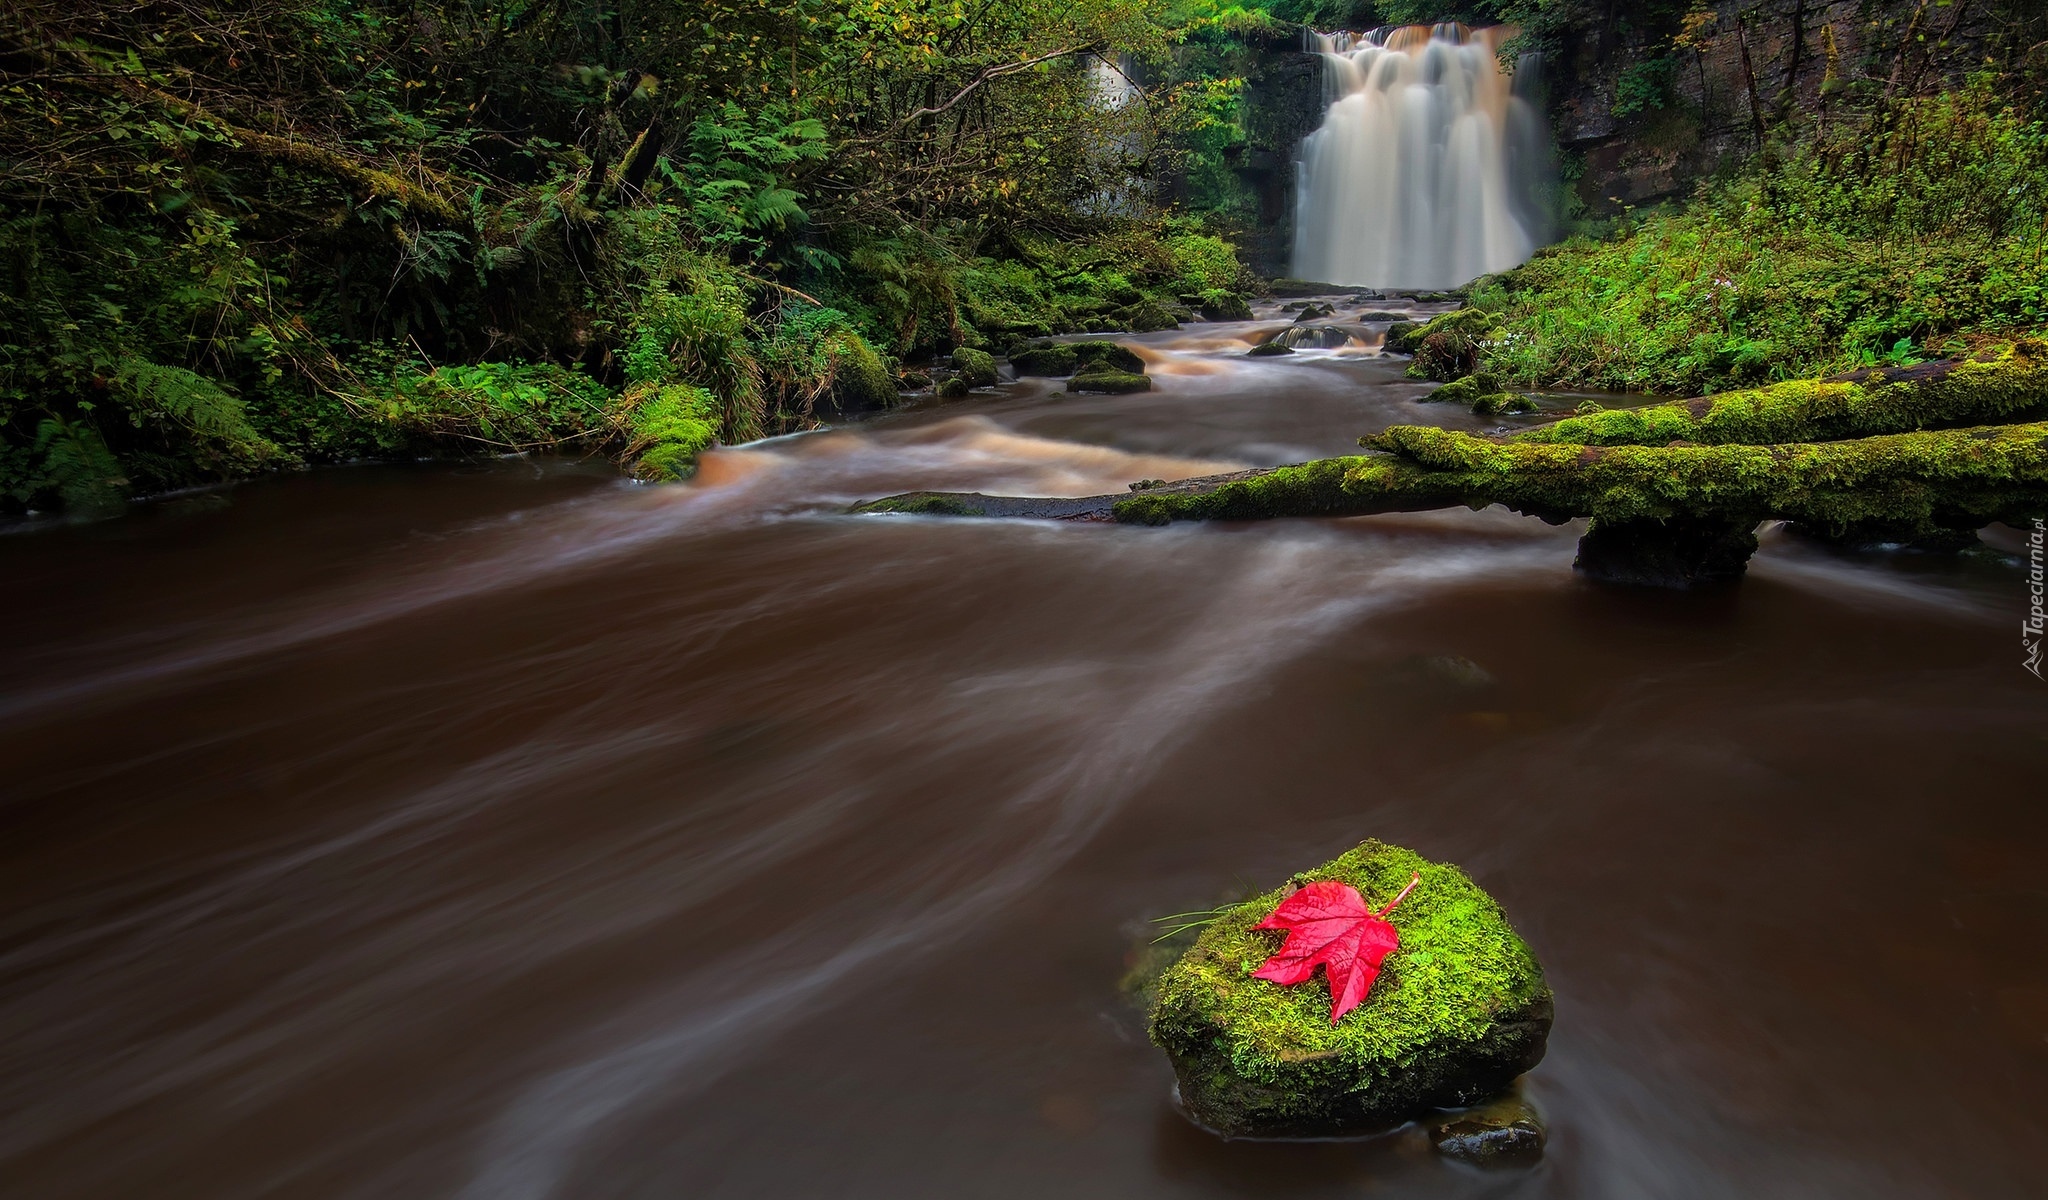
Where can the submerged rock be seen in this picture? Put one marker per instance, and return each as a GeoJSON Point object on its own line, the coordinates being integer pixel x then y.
{"type": "Point", "coordinates": [1504, 1133]}
{"type": "Point", "coordinates": [1112, 382]}
{"type": "Point", "coordinates": [1458, 1011]}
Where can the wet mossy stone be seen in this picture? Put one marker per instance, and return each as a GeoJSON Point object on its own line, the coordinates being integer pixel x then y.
{"type": "Point", "coordinates": [953, 389]}
{"type": "Point", "coordinates": [977, 368]}
{"type": "Point", "coordinates": [1496, 403]}
{"type": "Point", "coordinates": [1148, 317]}
{"type": "Point", "coordinates": [1111, 382]}
{"type": "Point", "coordinates": [1506, 1132]}
{"type": "Point", "coordinates": [1091, 357]}
{"type": "Point", "coordinates": [860, 379]}
{"type": "Point", "coordinates": [1269, 350]}
{"type": "Point", "coordinates": [1401, 337]}
{"type": "Point", "coordinates": [1219, 304]}
{"type": "Point", "coordinates": [1457, 1012]}
{"type": "Point", "coordinates": [1045, 358]}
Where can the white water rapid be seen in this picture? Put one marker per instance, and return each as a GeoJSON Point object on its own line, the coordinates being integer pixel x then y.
{"type": "Point", "coordinates": [1430, 167]}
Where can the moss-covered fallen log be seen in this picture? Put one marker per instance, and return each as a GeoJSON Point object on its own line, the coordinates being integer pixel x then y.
{"type": "Point", "coordinates": [2006, 383]}
{"type": "Point", "coordinates": [1669, 515]}
{"type": "Point", "coordinates": [1915, 482]}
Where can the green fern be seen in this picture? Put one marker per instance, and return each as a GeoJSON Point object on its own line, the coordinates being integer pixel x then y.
{"type": "Point", "coordinates": [88, 476]}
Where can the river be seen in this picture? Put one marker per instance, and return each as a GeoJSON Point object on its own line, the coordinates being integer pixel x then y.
{"type": "Point", "coordinates": [514, 831]}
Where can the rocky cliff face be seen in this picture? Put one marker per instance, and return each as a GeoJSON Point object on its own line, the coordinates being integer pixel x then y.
{"type": "Point", "coordinates": [1284, 104]}
{"type": "Point", "coordinates": [1643, 117]}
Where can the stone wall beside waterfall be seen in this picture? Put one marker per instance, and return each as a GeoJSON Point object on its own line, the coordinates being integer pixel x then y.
{"type": "Point", "coordinates": [1799, 54]}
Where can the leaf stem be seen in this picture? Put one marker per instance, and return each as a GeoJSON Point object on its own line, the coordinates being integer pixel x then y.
{"type": "Point", "coordinates": [1413, 879]}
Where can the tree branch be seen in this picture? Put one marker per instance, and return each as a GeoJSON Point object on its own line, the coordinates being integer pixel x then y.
{"type": "Point", "coordinates": [990, 73]}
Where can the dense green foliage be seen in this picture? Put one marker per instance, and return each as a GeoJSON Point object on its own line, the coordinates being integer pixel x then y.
{"type": "Point", "coordinates": [1897, 239]}
{"type": "Point", "coordinates": [242, 236]}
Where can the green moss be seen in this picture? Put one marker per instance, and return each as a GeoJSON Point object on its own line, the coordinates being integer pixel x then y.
{"type": "Point", "coordinates": [953, 389]}
{"type": "Point", "coordinates": [1401, 338]}
{"type": "Point", "coordinates": [669, 427]}
{"type": "Point", "coordinates": [1147, 316]}
{"type": "Point", "coordinates": [1112, 382]}
{"type": "Point", "coordinates": [1254, 1056]}
{"type": "Point", "coordinates": [1091, 357]}
{"type": "Point", "coordinates": [1045, 358]}
{"type": "Point", "coordinates": [2001, 384]}
{"type": "Point", "coordinates": [1221, 304]}
{"type": "Point", "coordinates": [1495, 403]}
{"type": "Point", "coordinates": [1449, 344]}
{"type": "Point", "coordinates": [1310, 489]}
{"type": "Point", "coordinates": [1916, 484]}
{"type": "Point", "coordinates": [977, 367]}
{"type": "Point", "coordinates": [1963, 478]}
{"type": "Point", "coordinates": [860, 380]}
{"type": "Point", "coordinates": [1483, 394]}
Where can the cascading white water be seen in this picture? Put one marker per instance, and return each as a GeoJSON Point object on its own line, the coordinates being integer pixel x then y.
{"type": "Point", "coordinates": [1430, 167]}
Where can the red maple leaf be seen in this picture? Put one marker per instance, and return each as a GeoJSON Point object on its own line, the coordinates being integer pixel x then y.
{"type": "Point", "coordinates": [1328, 925]}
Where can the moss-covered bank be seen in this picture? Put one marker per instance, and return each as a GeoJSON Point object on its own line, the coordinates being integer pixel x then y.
{"type": "Point", "coordinates": [1458, 1011]}
{"type": "Point", "coordinates": [2004, 383]}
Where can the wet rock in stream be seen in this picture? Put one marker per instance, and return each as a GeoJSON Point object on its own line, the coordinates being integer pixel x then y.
{"type": "Point", "coordinates": [1459, 1010]}
{"type": "Point", "coordinates": [1504, 1133]}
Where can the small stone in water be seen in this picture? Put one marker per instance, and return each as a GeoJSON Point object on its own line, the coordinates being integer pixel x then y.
{"type": "Point", "coordinates": [1504, 1133]}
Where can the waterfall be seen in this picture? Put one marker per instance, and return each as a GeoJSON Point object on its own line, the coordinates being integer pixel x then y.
{"type": "Point", "coordinates": [1431, 166]}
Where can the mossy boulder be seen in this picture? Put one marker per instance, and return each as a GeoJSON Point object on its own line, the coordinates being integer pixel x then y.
{"type": "Point", "coordinates": [1496, 403]}
{"type": "Point", "coordinates": [1091, 357]}
{"type": "Point", "coordinates": [1111, 382]}
{"type": "Point", "coordinates": [1401, 338]}
{"type": "Point", "coordinates": [860, 379]}
{"type": "Point", "coordinates": [953, 388]}
{"type": "Point", "coordinates": [977, 368]}
{"type": "Point", "coordinates": [1458, 1011]}
{"type": "Point", "coordinates": [1448, 346]}
{"type": "Point", "coordinates": [1147, 317]}
{"type": "Point", "coordinates": [1271, 349]}
{"type": "Point", "coordinates": [1045, 358]}
{"type": "Point", "coordinates": [1220, 304]}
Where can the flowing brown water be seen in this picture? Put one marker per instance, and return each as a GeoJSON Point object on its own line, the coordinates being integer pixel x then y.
{"type": "Point", "coordinates": [514, 832]}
